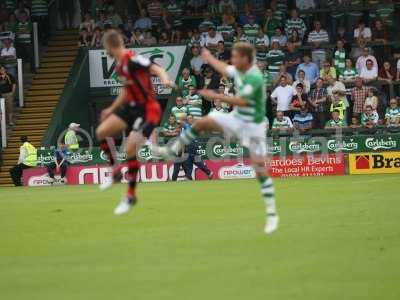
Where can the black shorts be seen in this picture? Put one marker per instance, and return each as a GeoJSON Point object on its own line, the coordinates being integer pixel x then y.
{"type": "Point", "coordinates": [135, 119]}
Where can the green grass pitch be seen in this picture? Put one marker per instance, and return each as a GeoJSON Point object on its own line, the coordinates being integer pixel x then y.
{"type": "Point", "coordinates": [339, 239]}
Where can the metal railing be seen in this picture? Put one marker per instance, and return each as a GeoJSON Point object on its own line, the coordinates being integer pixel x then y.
{"type": "Point", "coordinates": [3, 123]}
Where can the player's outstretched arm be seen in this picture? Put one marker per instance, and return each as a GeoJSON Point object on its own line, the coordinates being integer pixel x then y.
{"type": "Point", "coordinates": [162, 74]}
{"type": "Point", "coordinates": [210, 95]}
{"type": "Point", "coordinates": [210, 59]}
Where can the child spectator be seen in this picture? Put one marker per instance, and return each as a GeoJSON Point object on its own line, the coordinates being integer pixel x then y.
{"type": "Point", "coordinates": [371, 100]}
{"type": "Point", "coordinates": [335, 121]}
{"type": "Point", "coordinates": [369, 118]}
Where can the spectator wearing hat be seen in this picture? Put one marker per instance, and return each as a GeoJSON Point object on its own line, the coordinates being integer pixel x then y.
{"type": "Point", "coordinates": [71, 139]}
{"type": "Point", "coordinates": [9, 55]}
{"type": "Point", "coordinates": [7, 91]}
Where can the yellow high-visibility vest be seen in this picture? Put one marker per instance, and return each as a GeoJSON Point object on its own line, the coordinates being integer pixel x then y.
{"type": "Point", "coordinates": [71, 140]}
{"type": "Point", "coordinates": [31, 158]}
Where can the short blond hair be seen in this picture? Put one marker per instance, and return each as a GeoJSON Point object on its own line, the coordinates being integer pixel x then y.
{"type": "Point", "coordinates": [245, 49]}
{"type": "Point", "coordinates": [113, 38]}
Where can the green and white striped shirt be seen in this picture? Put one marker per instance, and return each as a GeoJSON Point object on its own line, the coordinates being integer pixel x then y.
{"type": "Point", "coordinates": [39, 8]}
{"type": "Point", "coordinates": [275, 59]}
{"type": "Point", "coordinates": [282, 124]}
{"type": "Point", "coordinates": [340, 61]}
{"type": "Point", "coordinates": [295, 24]}
{"type": "Point", "coordinates": [195, 111]}
{"type": "Point", "coordinates": [251, 31]}
{"type": "Point", "coordinates": [250, 86]}
{"type": "Point", "coordinates": [23, 32]}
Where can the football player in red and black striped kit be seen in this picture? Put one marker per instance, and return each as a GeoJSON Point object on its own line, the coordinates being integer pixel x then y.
{"type": "Point", "coordinates": [135, 110]}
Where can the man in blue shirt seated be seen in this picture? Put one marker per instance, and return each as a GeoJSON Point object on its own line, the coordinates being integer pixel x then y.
{"type": "Point", "coordinates": [60, 163]}
{"type": "Point", "coordinates": [303, 120]}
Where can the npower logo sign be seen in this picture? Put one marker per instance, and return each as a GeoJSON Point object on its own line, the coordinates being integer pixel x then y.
{"type": "Point", "coordinates": [238, 171]}
{"type": "Point", "coordinates": [102, 66]}
{"type": "Point", "coordinates": [374, 163]}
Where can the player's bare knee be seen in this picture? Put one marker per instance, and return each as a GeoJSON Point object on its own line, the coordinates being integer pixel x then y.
{"type": "Point", "coordinates": [100, 134]}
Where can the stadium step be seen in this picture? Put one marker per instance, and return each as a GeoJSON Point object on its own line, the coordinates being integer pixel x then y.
{"type": "Point", "coordinates": [56, 64]}
{"type": "Point", "coordinates": [49, 86]}
{"type": "Point", "coordinates": [54, 70]}
{"type": "Point", "coordinates": [41, 98]}
{"type": "Point", "coordinates": [62, 53]}
{"type": "Point", "coordinates": [58, 59]}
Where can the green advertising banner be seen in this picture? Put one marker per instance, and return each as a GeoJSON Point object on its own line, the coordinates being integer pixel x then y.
{"type": "Point", "coordinates": [215, 149]}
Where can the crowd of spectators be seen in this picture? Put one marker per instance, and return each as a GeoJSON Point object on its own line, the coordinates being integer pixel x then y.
{"type": "Point", "coordinates": [326, 64]}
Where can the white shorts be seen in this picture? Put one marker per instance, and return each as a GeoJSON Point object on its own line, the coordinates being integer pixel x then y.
{"type": "Point", "coordinates": [250, 135]}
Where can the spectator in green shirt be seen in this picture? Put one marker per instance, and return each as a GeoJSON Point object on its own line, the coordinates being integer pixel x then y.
{"type": "Point", "coordinates": [335, 121]}
{"type": "Point", "coordinates": [171, 128]}
{"type": "Point", "coordinates": [369, 118]}
{"type": "Point", "coordinates": [186, 80]}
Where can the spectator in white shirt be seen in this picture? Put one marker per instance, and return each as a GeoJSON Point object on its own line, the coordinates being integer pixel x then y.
{"type": "Point", "coordinates": [196, 63]}
{"type": "Point", "coordinates": [211, 39]}
{"type": "Point", "coordinates": [316, 38]}
{"type": "Point", "coordinates": [282, 95]}
{"type": "Point", "coordinates": [9, 54]}
{"type": "Point", "coordinates": [363, 32]}
{"type": "Point", "coordinates": [370, 72]}
{"type": "Point", "coordinates": [362, 60]}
